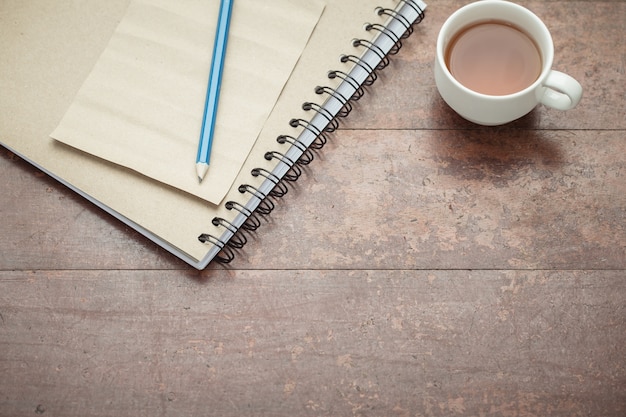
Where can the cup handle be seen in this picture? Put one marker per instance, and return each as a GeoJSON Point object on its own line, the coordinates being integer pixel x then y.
{"type": "Point", "coordinates": [562, 91]}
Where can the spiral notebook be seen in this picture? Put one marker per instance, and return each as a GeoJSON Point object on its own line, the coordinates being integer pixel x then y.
{"type": "Point", "coordinates": [352, 42]}
{"type": "Point", "coordinates": [139, 106]}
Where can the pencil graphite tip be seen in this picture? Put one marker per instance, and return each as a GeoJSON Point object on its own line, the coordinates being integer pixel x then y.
{"type": "Point", "coordinates": [201, 170]}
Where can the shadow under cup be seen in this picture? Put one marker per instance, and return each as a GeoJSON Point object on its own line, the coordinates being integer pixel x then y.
{"type": "Point", "coordinates": [491, 109]}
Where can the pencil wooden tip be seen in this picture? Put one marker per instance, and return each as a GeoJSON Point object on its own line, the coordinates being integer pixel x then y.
{"type": "Point", "coordinates": [201, 170]}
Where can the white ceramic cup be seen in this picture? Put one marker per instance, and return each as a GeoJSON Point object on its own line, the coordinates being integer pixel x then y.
{"type": "Point", "coordinates": [552, 88]}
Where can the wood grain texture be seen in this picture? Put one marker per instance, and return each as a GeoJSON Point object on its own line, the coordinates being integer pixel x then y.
{"type": "Point", "coordinates": [421, 266]}
{"type": "Point", "coordinates": [461, 199]}
{"type": "Point", "coordinates": [435, 343]}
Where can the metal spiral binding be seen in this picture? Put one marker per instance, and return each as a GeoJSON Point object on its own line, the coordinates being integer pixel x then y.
{"type": "Point", "coordinates": [408, 28]}
{"type": "Point", "coordinates": [372, 76]}
{"type": "Point", "coordinates": [266, 206]}
{"type": "Point", "coordinates": [384, 59]}
{"type": "Point", "coordinates": [397, 43]}
{"type": "Point", "coordinates": [323, 112]}
{"type": "Point", "coordinates": [346, 105]}
{"type": "Point", "coordinates": [279, 188]}
{"type": "Point", "coordinates": [358, 89]}
{"type": "Point", "coordinates": [307, 156]}
{"type": "Point", "coordinates": [238, 240]}
{"type": "Point", "coordinates": [416, 8]}
{"type": "Point", "coordinates": [252, 221]}
{"type": "Point", "coordinates": [294, 170]}
{"type": "Point", "coordinates": [320, 137]}
{"type": "Point", "coordinates": [225, 255]}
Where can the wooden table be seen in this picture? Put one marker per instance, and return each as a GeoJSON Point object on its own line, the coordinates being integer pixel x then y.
{"type": "Point", "coordinates": [422, 266]}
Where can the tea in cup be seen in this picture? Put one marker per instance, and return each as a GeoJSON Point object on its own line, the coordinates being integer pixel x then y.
{"type": "Point", "coordinates": [493, 64]}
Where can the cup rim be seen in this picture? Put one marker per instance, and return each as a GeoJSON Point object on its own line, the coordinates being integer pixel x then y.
{"type": "Point", "coordinates": [547, 55]}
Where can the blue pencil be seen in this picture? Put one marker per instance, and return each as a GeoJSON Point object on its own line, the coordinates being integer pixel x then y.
{"type": "Point", "coordinates": [213, 89]}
